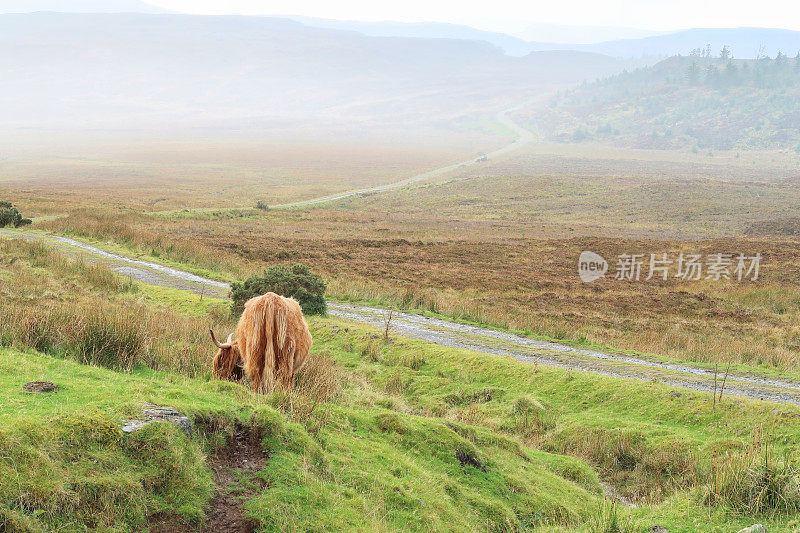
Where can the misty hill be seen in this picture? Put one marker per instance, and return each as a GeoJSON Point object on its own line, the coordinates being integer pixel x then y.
{"type": "Point", "coordinates": [698, 103]}
{"type": "Point", "coordinates": [631, 44]}
{"type": "Point", "coordinates": [132, 69]}
{"type": "Point", "coordinates": [78, 6]}
{"type": "Point", "coordinates": [563, 33]}
{"type": "Point", "coordinates": [428, 30]}
{"type": "Point", "coordinates": [744, 43]}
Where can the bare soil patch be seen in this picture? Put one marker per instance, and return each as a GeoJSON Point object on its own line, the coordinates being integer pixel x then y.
{"type": "Point", "coordinates": [39, 387]}
{"type": "Point", "coordinates": [242, 456]}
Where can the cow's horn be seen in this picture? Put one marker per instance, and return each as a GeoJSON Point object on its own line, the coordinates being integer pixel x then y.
{"type": "Point", "coordinates": [219, 344]}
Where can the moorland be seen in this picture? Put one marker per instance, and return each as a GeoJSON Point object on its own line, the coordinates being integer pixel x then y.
{"type": "Point", "coordinates": [383, 432]}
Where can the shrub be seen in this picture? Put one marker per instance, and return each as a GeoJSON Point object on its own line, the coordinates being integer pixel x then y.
{"type": "Point", "coordinates": [294, 281]}
{"type": "Point", "coordinates": [262, 205]}
{"type": "Point", "coordinates": [10, 216]}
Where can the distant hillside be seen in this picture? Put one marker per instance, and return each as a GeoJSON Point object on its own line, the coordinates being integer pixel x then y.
{"type": "Point", "coordinates": [126, 69]}
{"type": "Point", "coordinates": [696, 102]}
{"type": "Point", "coordinates": [744, 43]}
{"type": "Point", "coordinates": [428, 30]}
{"type": "Point", "coordinates": [78, 6]}
{"type": "Point", "coordinates": [561, 33]}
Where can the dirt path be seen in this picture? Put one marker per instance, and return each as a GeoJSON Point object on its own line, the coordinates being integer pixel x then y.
{"type": "Point", "coordinates": [524, 137]}
{"type": "Point", "coordinates": [144, 271]}
{"type": "Point", "coordinates": [242, 457]}
{"type": "Point", "coordinates": [456, 335]}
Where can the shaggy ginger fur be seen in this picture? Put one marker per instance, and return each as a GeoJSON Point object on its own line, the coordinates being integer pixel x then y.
{"type": "Point", "coordinates": [272, 343]}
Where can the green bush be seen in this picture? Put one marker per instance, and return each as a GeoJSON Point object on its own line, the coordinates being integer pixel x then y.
{"type": "Point", "coordinates": [295, 281]}
{"type": "Point", "coordinates": [10, 216]}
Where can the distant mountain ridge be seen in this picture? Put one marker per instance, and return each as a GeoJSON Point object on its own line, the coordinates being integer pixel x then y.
{"type": "Point", "coordinates": [87, 69]}
{"type": "Point", "coordinates": [743, 42]}
{"type": "Point", "coordinates": [426, 30]}
{"type": "Point", "coordinates": [79, 6]}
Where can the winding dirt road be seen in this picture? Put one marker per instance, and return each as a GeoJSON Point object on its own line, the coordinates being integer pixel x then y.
{"type": "Point", "coordinates": [524, 137]}
{"type": "Point", "coordinates": [453, 334]}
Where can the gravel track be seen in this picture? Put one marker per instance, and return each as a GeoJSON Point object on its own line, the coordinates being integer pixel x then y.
{"type": "Point", "coordinates": [453, 334]}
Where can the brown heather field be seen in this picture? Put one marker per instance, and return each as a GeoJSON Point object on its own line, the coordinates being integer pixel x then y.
{"type": "Point", "coordinates": [499, 244]}
{"type": "Point", "coordinates": [168, 176]}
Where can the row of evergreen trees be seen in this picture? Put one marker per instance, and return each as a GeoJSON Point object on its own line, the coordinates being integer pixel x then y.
{"type": "Point", "coordinates": [724, 71]}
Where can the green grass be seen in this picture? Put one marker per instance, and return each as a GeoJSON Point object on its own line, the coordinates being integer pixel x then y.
{"type": "Point", "coordinates": [406, 474]}
{"type": "Point", "coordinates": [183, 302]}
{"type": "Point", "coordinates": [398, 435]}
{"type": "Point", "coordinates": [370, 458]}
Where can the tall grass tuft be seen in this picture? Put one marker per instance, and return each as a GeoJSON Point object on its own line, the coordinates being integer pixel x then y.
{"type": "Point", "coordinates": [755, 482]}
{"type": "Point", "coordinates": [103, 335]}
{"type": "Point", "coordinates": [530, 417]}
{"type": "Point", "coordinates": [63, 306]}
{"type": "Point", "coordinates": [636, 467]}
{"type": "Point", "coordinates": [318, 383]}
{"type": "Point", "coordinates": [607, 519]}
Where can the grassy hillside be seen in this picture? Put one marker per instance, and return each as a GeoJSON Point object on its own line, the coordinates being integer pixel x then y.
{"type": "Point", "coordinates": [379, 435]}
{"type": "Point", "coordinates": [696, 102]}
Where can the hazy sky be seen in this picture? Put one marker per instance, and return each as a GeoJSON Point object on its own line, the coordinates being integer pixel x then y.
{"type": "Point", "coordinates": [514, 15]}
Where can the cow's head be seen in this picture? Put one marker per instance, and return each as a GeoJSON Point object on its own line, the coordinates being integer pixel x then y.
{"type": "Point", "coordinates": [228, 363]}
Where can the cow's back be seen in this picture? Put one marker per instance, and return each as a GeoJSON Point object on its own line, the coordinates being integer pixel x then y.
{"type": "Point", "coordinates": [277, 340]}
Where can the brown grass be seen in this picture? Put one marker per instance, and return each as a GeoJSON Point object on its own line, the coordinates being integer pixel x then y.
{"type": "Point", "coordinates": [500, 246]}
{"type": "Point", "coordinates": [755, 482]}
{"type": "Point", "coordinates": [62, 306]}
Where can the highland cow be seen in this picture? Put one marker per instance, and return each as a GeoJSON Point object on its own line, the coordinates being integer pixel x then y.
{"type": "Point", "coordinates": [272, 343]}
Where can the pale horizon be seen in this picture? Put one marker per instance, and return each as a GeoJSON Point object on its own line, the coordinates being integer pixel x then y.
{"type": "Point", "coordinates": [507, 17]}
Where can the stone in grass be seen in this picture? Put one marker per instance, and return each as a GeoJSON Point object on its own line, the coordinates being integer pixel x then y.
{"type": "Point", "coordinates": [657, 528]}
{"type": "Point", "coordinates": [158, 413]}
{"type": "Point", "coordinates": [39, 387]}
{"type": "Point", "coordinates": [757, 528]}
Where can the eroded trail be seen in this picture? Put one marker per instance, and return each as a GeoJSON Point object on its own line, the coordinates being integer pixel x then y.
{"type": "Point", "coordinates": [457, 335]}
{"type": "Point", "coordinates": [234, 467]}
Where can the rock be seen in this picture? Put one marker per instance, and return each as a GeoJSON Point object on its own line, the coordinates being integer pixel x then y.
{"type": "Point", "coordinates": [757, 528]}
{"type": "Point", "coordinates": [134, 425]}
{"type": "Point", "coordinates": [657, 528]}
{"type": "Point", "coordinates": [39, 387]}
{"type": "Point", "coordinates": [158, 413]}
{"type": "Point", "coordinates": [675, 394]}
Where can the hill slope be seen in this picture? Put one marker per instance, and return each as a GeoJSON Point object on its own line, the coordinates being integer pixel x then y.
{"type": "Point", "coordinates": [88, 69]}
{"type": "Point", "coordinates": [79, 6]}
{"type": "Point", "coordinates": [699, 103]}
{"type": "Point", "coordinates": [743, 42]}
{"type": "Point", "coordinates": [379, 435]}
